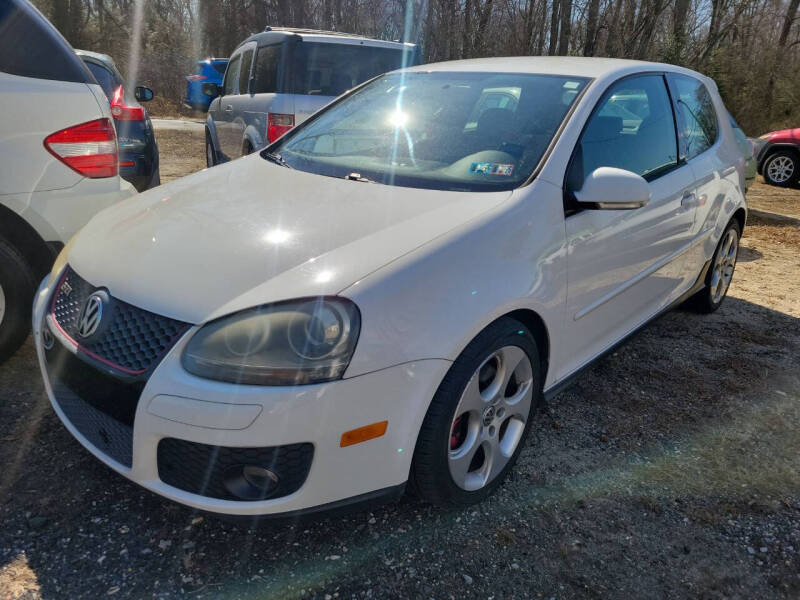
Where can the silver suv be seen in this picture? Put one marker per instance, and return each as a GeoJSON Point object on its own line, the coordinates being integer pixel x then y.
{"type": "Point", "coordinates": [278, 78]}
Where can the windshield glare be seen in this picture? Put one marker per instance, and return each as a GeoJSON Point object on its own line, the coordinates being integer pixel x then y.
{"type": "Point", "coordinates": [450, 131]}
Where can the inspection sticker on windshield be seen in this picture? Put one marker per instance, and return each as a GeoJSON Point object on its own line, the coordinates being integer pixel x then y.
{"type": "Point", "coordinates": [490, 168]}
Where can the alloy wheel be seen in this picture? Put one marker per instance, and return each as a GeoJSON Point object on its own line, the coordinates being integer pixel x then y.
{"type": "Point", "coordinates": [724, 265]}
{"type": "Point", "coordinates": [490, 419]}
{"type": "Point", "coordinates": [780, 169]}
{"type": "Point", "coordinates": [2, 304]}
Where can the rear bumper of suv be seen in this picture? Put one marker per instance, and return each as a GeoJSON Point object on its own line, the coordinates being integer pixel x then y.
{"type": "Point", "coordinates": [187, 438]}
{"type": "Point", "coordinates": [57, 215]}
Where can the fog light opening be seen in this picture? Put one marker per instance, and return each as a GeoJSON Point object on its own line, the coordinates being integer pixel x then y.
{"type": "Point", "coordinates": [250, 482]}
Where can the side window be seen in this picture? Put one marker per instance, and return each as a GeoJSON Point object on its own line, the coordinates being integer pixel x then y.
{"type": "Point", "coordinates": [104, 77]}
{"type": "Point", "coordinates": [31, 47]}
{"type": "Point", "coordinates": [697, 117]}
{"type": "Point", "coordinates": [244, 72]}
{"type": "Point", "coordinates": [232, 76]}
{"type": "Point", "coordinates": [632, 128]}
{"type": "Point", "coordinates": [266, 70]}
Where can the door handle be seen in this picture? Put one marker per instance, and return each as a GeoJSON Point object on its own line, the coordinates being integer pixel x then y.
{"type": "Point", "coordinates": [691, 200]}
{"type": "Point", "coordinates": [229, 108]}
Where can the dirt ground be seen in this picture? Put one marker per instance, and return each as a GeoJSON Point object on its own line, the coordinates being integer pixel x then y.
{"type": "Point", "coordinates": [180, 152]}
{"type": "Point", "coordinates": [670, 470]}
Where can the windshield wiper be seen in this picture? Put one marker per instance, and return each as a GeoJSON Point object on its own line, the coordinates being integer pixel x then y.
{"type": "Point", "coordinates": [277, 159]}
{"type": "Point", "coordinates": [357, 177]}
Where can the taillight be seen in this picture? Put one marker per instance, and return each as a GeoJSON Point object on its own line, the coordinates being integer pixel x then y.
{"type": "Point", "coordinates": [196, 77]}
{"type": "Point", "coordinates": [89, 148]}
{"type": "Point", "coordinates": [121, 111]}
{"type": "Point", "coordinates": [278, 124]}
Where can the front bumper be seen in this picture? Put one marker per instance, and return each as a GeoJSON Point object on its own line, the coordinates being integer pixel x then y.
{"type": "Point", "coordinates": [175, 404]}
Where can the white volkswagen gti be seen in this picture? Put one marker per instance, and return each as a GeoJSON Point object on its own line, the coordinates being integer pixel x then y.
{"type": "Point", "coordinates": [384, 295]}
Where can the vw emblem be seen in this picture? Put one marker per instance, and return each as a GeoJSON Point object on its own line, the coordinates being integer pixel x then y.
{"type": "Point", "coordinates": [488, 416]}
{"type": "Point", "coordinates": [91, 315]}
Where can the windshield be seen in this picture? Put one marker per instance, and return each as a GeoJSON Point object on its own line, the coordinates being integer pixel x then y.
{"type": "Point", "coordinates": [453, 131]}
{"type": "Point", "coordinates": [329, 69]}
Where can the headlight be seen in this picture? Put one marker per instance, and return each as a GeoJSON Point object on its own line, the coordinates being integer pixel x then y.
{"type": "Point", "coordinates": [288, 343]}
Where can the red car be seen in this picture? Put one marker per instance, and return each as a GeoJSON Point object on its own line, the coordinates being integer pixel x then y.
{"type": "Point", "coordinates": [778, 157]}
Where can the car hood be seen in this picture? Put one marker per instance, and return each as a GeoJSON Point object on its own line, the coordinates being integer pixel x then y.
{"type": "Point", "coordinates": [784, 133]}
{"type": "Point", "coordinates": [250, 232]}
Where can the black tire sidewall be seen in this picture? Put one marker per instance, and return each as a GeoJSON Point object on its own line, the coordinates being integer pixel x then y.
{"type": "Point", "coordinates": [708, 295]}
{"type": "Point", "coordinates": [432, 478]}
{"type": "Point", "coordinates": [17, 282]}
{"type": "Point", "coordinates": [795, 174]}
{"type": "Point", "coordinates": [212, 153]}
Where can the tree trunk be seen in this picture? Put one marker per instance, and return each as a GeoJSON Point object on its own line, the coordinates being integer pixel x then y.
{"type": "Point", "coordinates": [483, 23]}
{"type": "Point", "coordinates": [466, 35]}
{"type": "Point", "coordinates": [788, 20]}
{"type": "Point", "coordinates": [680, 16]}
{"type": "Point", "coordinates": [553, 46]}
{"type": "Point", "coordinates": [566, 20]}
{"type": "Point", "coordinates": [591, 27]}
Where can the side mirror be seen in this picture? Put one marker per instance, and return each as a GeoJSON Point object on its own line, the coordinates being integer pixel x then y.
{"type": "Point", "coordinates": [143, 94]}
{"type": "Point", "coordinates": [211, 90]}
{"type": "Point", "coordinates": [614, 189]}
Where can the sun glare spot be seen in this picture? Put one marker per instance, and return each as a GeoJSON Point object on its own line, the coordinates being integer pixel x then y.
{"type": "Point", "coordinates": [398, 118]}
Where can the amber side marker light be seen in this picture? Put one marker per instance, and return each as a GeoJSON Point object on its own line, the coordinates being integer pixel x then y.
{"type": "Point", "coordinates": [362, 434]}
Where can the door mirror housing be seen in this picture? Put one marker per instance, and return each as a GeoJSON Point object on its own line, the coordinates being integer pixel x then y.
{"type": "Point", "coordinates": [212, 90]}
{"type": "Point", "coordinates": [610, 188]}
{"type": "Point", "coordinates": [143, 94]}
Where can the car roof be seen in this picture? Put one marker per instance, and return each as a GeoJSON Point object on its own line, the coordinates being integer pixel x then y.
{"type": "Point", "coordinates": [578, 66]}
{"type": "Point", "coordinates": [96, 56]}
{"type": "Point", "coordinates": [274, 34]}
{"type": "Point", "coordinates": [211, 60]}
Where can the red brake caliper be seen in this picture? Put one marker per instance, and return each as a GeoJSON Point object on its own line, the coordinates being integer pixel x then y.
{"type": "Point", "coordinates": [456, 436]}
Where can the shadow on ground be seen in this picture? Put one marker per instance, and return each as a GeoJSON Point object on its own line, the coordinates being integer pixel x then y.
{"type": "Point", "coordinates": [670, 469]}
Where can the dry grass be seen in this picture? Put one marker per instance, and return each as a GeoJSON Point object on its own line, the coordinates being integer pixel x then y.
{"type": "Point", "coordinates": [180, 152]}
{"type": "Point", "coordinates": [18, 581]}
{"type": "Point", "coordinates": [784, 201]}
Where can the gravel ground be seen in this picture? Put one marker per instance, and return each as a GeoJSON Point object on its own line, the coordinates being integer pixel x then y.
{"type": "Point", "coordinates": [669, 470]}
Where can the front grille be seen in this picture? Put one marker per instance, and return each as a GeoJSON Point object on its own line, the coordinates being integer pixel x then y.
{"type": "Point", "coordinates": [131, 339]}
{"type": "Point", "coordinates": [100, 407]}
{"type": "Point", "coordinates": [202, 469]}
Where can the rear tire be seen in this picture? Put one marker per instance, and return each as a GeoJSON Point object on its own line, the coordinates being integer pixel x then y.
{"type": "Point", "coordinates": [781, 168]}
{"type": "Point", "coordinates": [478, 421]}
{"type": "Point", "coordinates": [17, 286]}
{"type": "Point", "coordinates": [211, 154]}
{"type": "Point", "coordinates": [720, 273]}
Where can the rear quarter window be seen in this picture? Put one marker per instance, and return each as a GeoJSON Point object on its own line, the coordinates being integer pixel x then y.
{"type": "Point", "coordinates": [105, 78]}
{"type": "Point", "coordinates": [697, 116]}
{"type": "Point", "coordinates": [330, 69]}
{"type": "Point", "coordinates": [31, 47]}
{"type": "Point", "coordinates": [266, 69]}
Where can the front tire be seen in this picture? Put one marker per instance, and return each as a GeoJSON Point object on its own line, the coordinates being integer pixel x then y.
{"type": "Point", "coordinates": [480, 417]}
{"type": "Point", "coordinates": [781, 169]}
{"type": "Point", "coordinates": [17, 286]}
{"type": "Point", "coordinates": [720, 274]}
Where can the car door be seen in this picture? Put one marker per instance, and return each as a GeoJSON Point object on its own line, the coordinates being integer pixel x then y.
{"type": "Point", "coordinates": [240, 102]}
{"type": "Point", "coordinates": [625, 265]}
{"type": "Point", "coordinates": [223, 114]}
